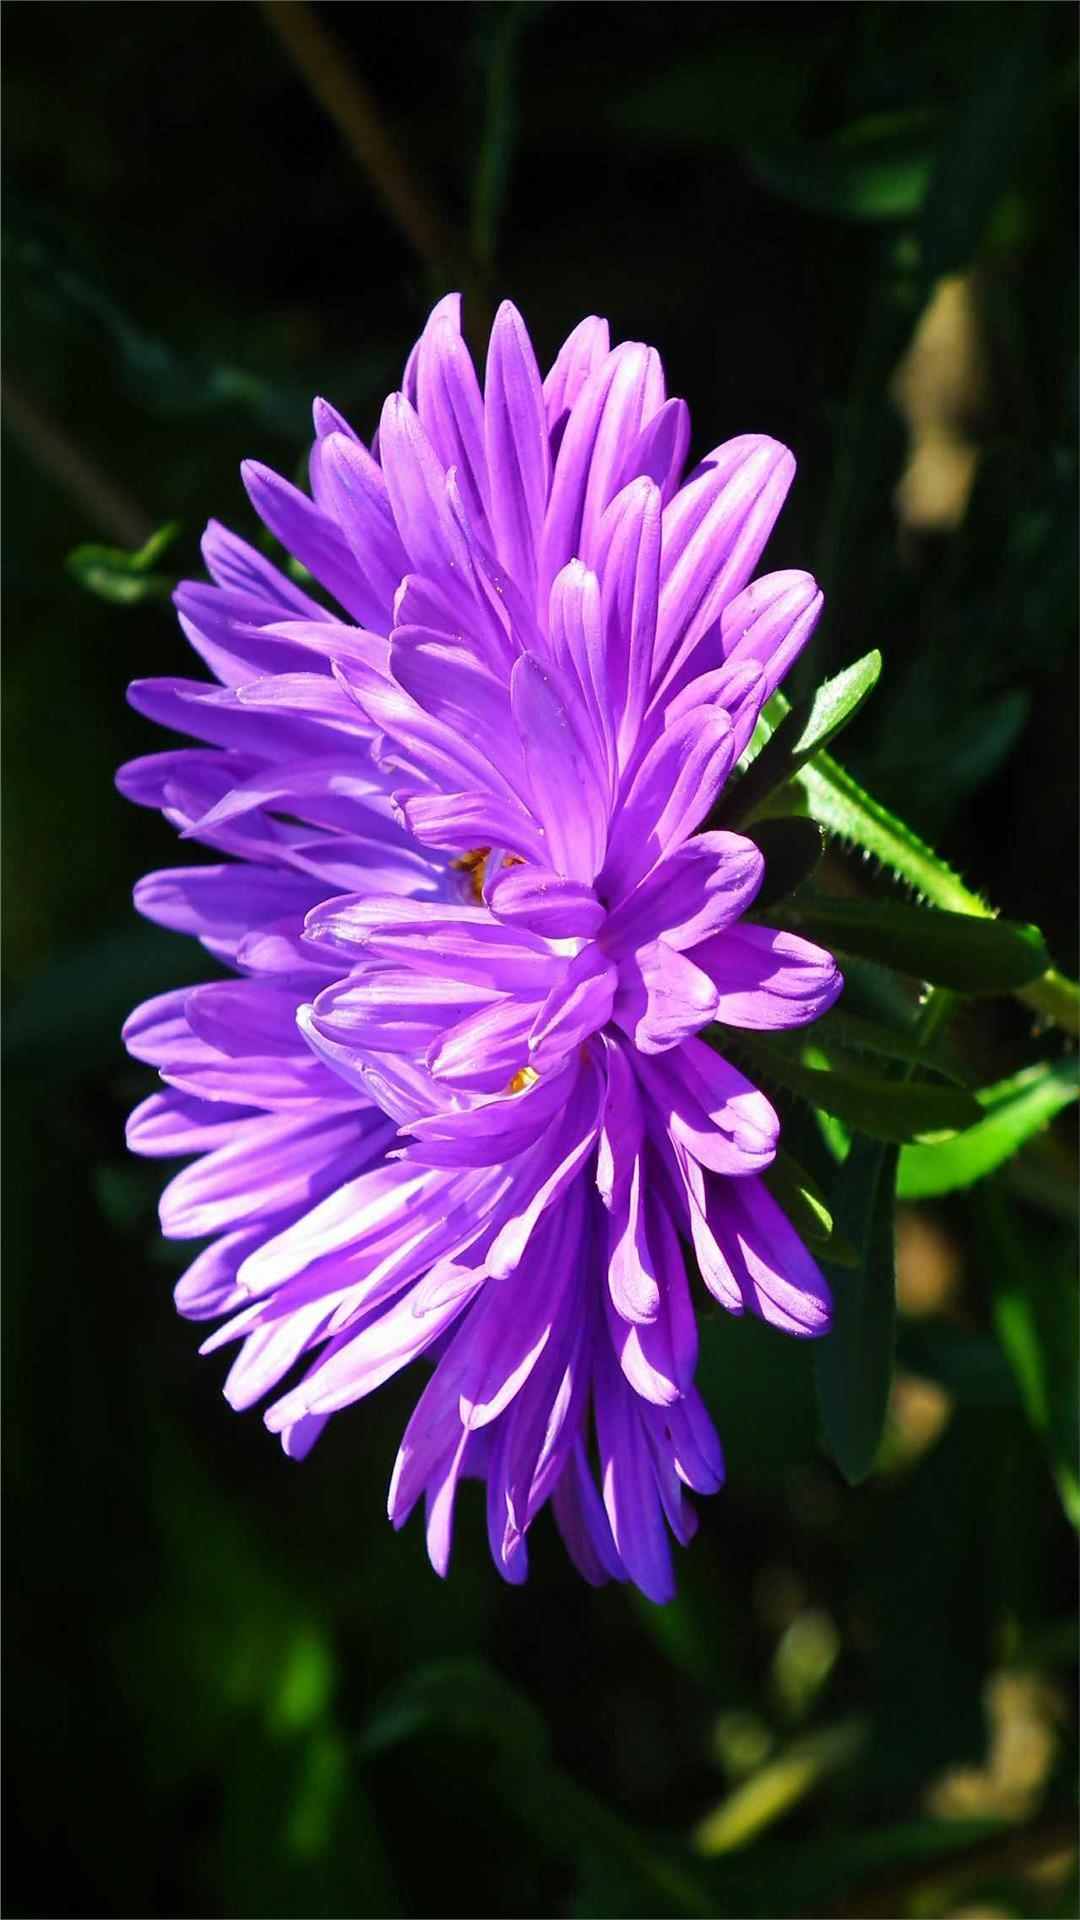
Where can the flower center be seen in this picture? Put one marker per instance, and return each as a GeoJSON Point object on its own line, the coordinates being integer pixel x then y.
{"type": "Point", "coordinates": [524, 1078]}
{"type": "Point", "coordinates": [472, 865]}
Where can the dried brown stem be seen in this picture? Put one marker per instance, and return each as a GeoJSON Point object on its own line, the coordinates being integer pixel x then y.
{"type": "Point", "coordinates": [108, 508]}
{"type": "Point", "coordinates": [325, 67]}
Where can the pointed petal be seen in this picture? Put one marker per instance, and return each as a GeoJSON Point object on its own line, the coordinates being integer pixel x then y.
{"type": "Point", "coordinates": [451, 409]}
{"type": "Point", "coordinates": [619, 399]}
{"type": "Point", "coordinates": [566, 799]}
{"type": "Point", "coordinates": [309, 534]}
{"type": "Point", "coordinates": [516, 443]}
{"type": "Point", "coordinates": [576, 361]}
{"type": "Point", "coordinates": [700, 890]}
{"type": "Point", "coordinates": [673, 789]}
{"type": "Point", "coordinates": [714, 531]}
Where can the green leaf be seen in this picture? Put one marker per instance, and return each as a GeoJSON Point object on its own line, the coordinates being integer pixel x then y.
{"type": "Point", "coordinates": [778, 1786]}
{"type": "Point", "coordinates": [744, 89]}
{"type": "Point", "coordinates": [469, 1699]}
{"type": "Point", "coordinates": [853, 1363]}
{"type": "Point", "coordinates": [1016, 1110]}
{"type": "Point", "coordinates": [1035, 1317]}
{"type": "Point", "coordinates": [1055, 997]}
{"type": "Point", "coordinates": [986, 141]}
{"type": "Point", "coordinates": [803, 1202]}
{"type": "Point", "coordinates": [839, 804]}
{"type": "Point", "coordinates": [792, 849]}
{"type": "Point", "coordinates": [894, 1110]}
{"type": "Point", "coordinates": [68, 1021]}
{"type": "Point", "coordinates": [801, 732]}
{"type": "Point", "coordinates": [857, 1033]}
{"type": "Point", "coordinates": [958, 950]}
{"type": "Point", "coordinates": [877, 169]}
{"type": "Point", "coordinates": [471, 1702]}
{"type": "Point", "coordinates": [971, 1366]}
{"type": "Point", "coordinates": [498, 43]}
{"type": "Point", "coordinates": [827, 792]}
{"type": "Point", "coordinates": [122, 577]}
{"type": "Point", "coordinates": [805, 1877]}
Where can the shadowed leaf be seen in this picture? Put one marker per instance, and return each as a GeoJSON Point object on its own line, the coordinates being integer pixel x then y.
{"type": "Point", "coordinates": [853, 1365]}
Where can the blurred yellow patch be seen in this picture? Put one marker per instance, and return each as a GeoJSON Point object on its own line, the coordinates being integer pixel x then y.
{"type": "Point", "coordinates": [1024, 1712]}
{"type": "Point", "coordinates": [939, 388]}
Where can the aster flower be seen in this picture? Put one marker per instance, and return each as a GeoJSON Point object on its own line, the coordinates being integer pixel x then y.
{"type": "Point", "coordinates": [456, 1101]}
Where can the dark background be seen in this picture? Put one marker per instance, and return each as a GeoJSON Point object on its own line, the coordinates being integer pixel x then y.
{"type": "Point", "coordinates": [231, 1689]}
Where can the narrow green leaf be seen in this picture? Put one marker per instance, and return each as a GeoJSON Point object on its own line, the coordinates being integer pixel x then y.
{"type": "Point", "coordinates": [113, 573]}
{"type": "Point", "coordinates": [778, 1786]}
{"type": "Point", "coordinates": [971, 1366]}
{"type": "Point", "coordinates": [877, 169]}
{"type": "Point", "coordinates": [1035, 1317]}
{"type": "Point", "coordinates": [469, 1701]}
{"type": "Point", "coordinates": [1056, 998]}
{"type": "Point", "coordinates": [895, 1110]}
{"type": "Point", "coordinates": [855, 1032]}
{"type": "Point", "coordinates": [853, 1363]}
{"type": "Point", "coordinates": [498, 45]}
{"type": "Point", "coordinates": [827, 792]}
{"type": "Point", "coordinates": [68, 1020]}
{"type": "Point", "coordinates": [841, 806]}
{"type": "Point", "coordinates": [986, 143]}
{"type": "Point", "coordinates": [834, 704]}
{"type": "Point", "coordinates": [957, 950]}
{"type": "Point", "coordinates": [792, 849]}
{"type": "Point", "coordinates": [801, 732]}
{"type": "Point", "coordinates": [804, 1203]}
{"type": "Point", "coordinates": [745, 89]}
{"type": "Point", "coordinates": [1015, 1111]}
{"type": "Point", "coordinates": [468, 1698]}
{"type": "Point", "coordinates": [802, 1877]}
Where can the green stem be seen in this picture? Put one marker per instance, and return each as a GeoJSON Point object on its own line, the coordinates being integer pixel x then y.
{"type": "Point", "coordinates": [1056, 998]}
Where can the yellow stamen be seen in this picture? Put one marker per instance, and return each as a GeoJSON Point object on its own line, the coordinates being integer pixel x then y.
{"type": "Point", "coordinates": [473, 864]}
{"type": "Point", "coordinates": [524, 1078]}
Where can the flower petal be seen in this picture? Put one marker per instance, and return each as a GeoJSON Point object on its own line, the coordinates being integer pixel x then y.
{"type": "Point", "coordinates": [516, 443]}
{"type": "Point", "coordinates": [769, 980]}
{"type": "Point", "coordinates": [566, 798]}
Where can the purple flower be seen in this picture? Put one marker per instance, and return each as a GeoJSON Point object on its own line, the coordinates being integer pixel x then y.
{"type": "Point", "coordinates": [455, 1101]}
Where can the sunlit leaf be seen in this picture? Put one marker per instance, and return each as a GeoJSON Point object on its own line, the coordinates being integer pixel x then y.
{"type": "Point", "coordinates": [833, 798]}
{"type": "Point", "coordinates": [114, 573]}
{"type": "Point", "coordinates": [800, 733]}
{"type": "Point", "coordinates": [805, 1876]}
{"type": "Point", "coordinates": [837, 802]}
{"type": "Point", "coordinates": [1016, 1110]}
{"type": "Point", "coordinates": [1037, 1320]}
{"type": "Point", "coordinates": [777, 1787]}
{"type": "Point", "coordinates": [876, 169]}
{"type": "Point", "coordinates": [805, 1205]}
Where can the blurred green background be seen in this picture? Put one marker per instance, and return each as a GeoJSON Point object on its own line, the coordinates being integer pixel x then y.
{"type": "Point", "coordinates": [231, 1689]}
